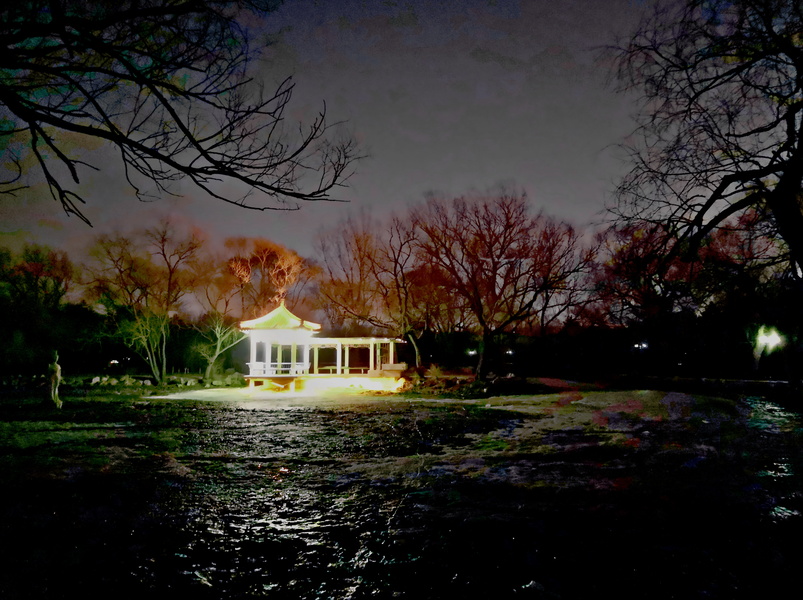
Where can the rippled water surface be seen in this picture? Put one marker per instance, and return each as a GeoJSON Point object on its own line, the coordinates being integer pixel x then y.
{"type": "Point", "coordinates": [570, 495]}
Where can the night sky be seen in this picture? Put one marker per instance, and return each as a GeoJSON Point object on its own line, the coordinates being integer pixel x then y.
{"type": "Point", "coordinates": [447, 97]}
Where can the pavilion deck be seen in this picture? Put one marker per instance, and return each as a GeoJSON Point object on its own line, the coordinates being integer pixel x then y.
{"type": "Point", "coordinates": [288, 374]}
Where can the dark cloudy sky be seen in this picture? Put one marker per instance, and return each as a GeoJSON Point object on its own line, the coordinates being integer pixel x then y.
{"type": "Point", "coordinates": [448, 96]}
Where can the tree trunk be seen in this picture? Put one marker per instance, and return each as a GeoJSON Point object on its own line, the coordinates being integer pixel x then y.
{"type": "Point", "coordinates": [163, 357]}
{"type": "Point", "coordinates": [211, 360]}
{"type": "Point", "coordinates": [784, 200]}
{"type": "Point", "coordinates": [486, 351]}
{"type": "Point", "coordinates": [417, 351]}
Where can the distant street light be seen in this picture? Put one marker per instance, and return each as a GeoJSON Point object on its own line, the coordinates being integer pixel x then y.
{"type": "Point", "coordinates": [767, 340]}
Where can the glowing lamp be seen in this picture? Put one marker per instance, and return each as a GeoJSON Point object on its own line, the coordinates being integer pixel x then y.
{"type": "Point", "coordinates": [768, 338]}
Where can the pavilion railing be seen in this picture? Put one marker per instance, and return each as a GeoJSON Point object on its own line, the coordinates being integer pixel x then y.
{"type": "Point", "coordinates": [265, 369]}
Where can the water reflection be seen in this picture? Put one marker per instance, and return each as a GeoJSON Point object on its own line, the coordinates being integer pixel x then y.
{"type": "Point", "coordinates": [770, 416]}
{"type": "Point", "coordinates": [777, 470]}
{"type": "Point", "coordinates": [288, 528]}
{"type": "Point", "coordinates": [407, 501]}
{"type": "Point", "coordinates": [299, 543]}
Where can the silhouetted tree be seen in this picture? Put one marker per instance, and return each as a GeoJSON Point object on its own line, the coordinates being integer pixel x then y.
{"type": "Point", "coordinates": [739, 255]}
{"type": "Point", "coordinates": [168, 85]}
{"type": "Point", "coordinates": [562, 260]}
{"type": "Point", "coordinates": [39, 278]}
{"type": "Point", "coordinates": [721, 131]}
{"type": "Point", "coordinates": [33, 286]}
{"type": "Point", "coordinates": [635, 280]}
{"type": "Point", "coordinates": [640, 275]}
{"type": "Point", "coordinates": [709, 303]}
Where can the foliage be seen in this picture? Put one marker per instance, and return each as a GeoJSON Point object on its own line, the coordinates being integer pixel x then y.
{"type": "Point", "coordinates": [169, 86]}
{"type": "Point", "coordinates": [38, 278]}
{"type": "Point", "coordinates": [641, 274]}
{"type": "Point", "coordinates": [33, 287]}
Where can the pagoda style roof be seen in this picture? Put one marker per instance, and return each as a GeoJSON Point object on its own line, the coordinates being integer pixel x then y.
{"type": "Point", "coordinates": [280, 318]}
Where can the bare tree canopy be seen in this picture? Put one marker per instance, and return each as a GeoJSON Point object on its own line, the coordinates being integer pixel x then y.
{"type": "Point", "coordinates": [506, 264]}
{"type": "Point", "coordinates": [169, 85]}
{"type": "Point", "coordinates": [144, 281]}
{"type": "Point", "coordinates": [266, 274]}
{"type": "Point", "coordinates": [721, 129]}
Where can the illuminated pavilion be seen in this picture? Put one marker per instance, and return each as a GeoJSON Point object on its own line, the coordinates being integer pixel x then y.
{"type": "Point", "coordinates": [285, 353]}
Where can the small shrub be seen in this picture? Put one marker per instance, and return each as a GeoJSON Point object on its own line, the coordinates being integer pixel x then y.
{"type": "Point", "coordinates": [434, 372]}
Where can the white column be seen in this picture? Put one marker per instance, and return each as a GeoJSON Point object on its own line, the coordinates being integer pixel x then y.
{"type": "Point", "coordinates": [392, 352]}
{"type": "Point", "coordinates": [372, 356]}
{"type": "Point", "coordinates": [339, 348]}
{"type": "Point", "coordinates": [315, 360]}
{"type": "Point", "coordinates": [306, 358]}
{"type": "Point", "coordinates": [346, 361]}
{"type": "Point", "coordinates": [293, 357]}
{"type": "Point", "coordinates": [268, 345]}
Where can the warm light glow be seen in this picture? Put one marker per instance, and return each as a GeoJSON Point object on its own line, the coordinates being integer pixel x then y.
{"type": "Point", "coordinates": [313, 386]}
{"type": "Point", "coordinates": [372, 384]}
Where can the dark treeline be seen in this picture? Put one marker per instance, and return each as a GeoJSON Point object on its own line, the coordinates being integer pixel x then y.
{"type": "Point", "coordinates": [481, 283]}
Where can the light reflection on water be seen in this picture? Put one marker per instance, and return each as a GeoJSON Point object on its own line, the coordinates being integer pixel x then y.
{"type": "Point", "coordinates": [781, 513]}
{"type": "Point", "coordinates": [305, 536]}
{"type": "Point", "coordinates": [770, 416]}
{"type": "Point", "coordinates": [299, 543]}
{"type": "Point", "coordinates": [778, 475]}
{"type": "Point", "coordinates": [778, 469]}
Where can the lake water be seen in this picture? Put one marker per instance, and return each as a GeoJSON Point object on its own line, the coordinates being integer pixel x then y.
{"type": "Point", "coordinates": [635, 495]}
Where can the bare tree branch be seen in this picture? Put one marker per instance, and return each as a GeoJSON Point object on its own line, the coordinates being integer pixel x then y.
{"type": "Point", "coordinates": [721, 130]}
{"type": "Point", "coordinates": [169, 85]}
